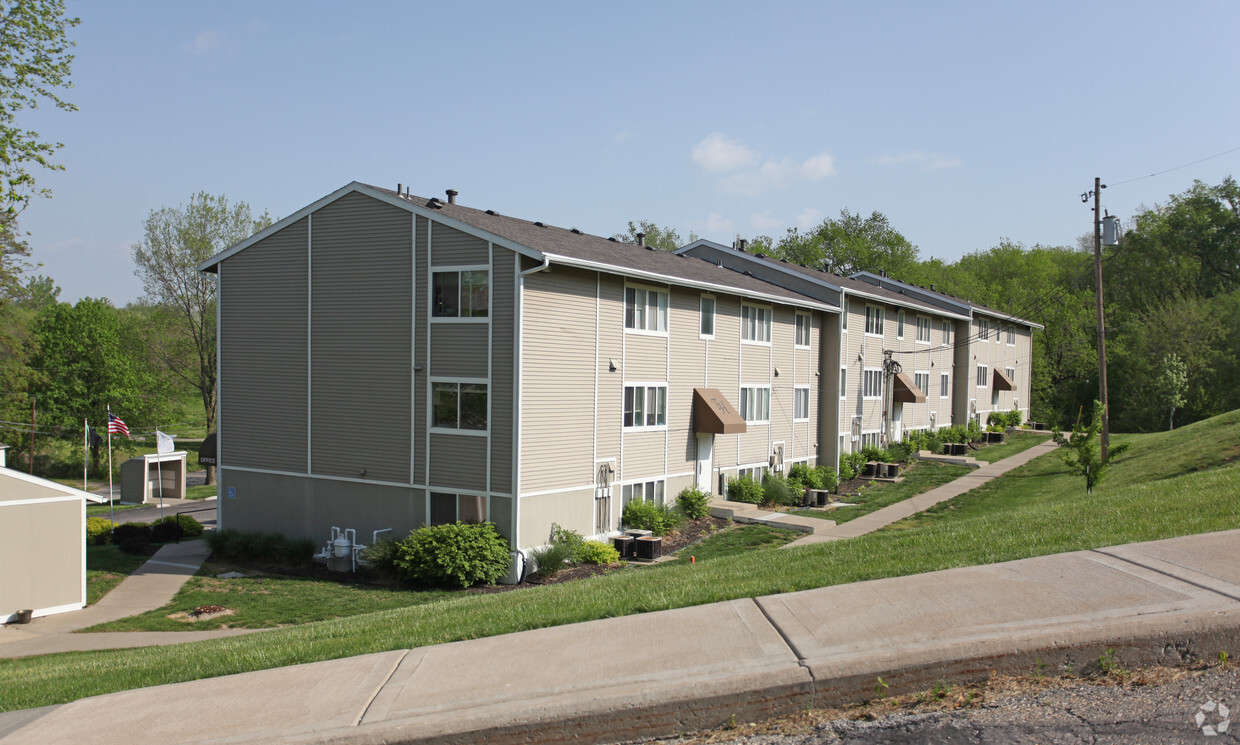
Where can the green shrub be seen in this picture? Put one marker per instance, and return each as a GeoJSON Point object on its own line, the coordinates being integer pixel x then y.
{"type": "Point", "coordinates": [132, 538]}
{"type": "Point", "coordinates": [172, 527]}
{"type": "Point", "coordinates": [851, 465]}
{"type": "Point", "coordinates": [934, 444]}
{"type": "Point", "coordinates": [744, 489]}
{"type": "Point", "coordinates": [597, 552]}
{"type": "Point", "coordinates": [973, 431]}
{"type": "Point", "coordinates": [380, 556]}
{"type": "Point", "coordinates": [827, 477]}
{"type": "Point", "coordinates": [248, 547]}
{"type": "Point", "coordinates": [659, 519]}
{"type": "Point", "coordinates": [900, 452]}
{"type": "Point", "coordinates": [98, 530]}
{"type": "Point", "coordinates": [550, 559]}
{"type": "Point", "coordinates": [693, 503]}
{"type": "Point", "coordinates": [453, 555]}
{"type": "Point", "coordinates": [777, 491]}
{"type": "Point", "coordinates": [871, 453]}
{"type": "Point", "coordinates": [810, 477]}
{"type": "Point", "coordinates": [570, 539]}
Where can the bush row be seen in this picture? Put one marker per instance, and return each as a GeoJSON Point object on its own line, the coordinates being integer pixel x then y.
{"type": "Point", "coordinates": [568, 548]}
{"type": "Point", "coordinates": [136, 538]}
{"type": "Point", "coordinates": [249, 547]}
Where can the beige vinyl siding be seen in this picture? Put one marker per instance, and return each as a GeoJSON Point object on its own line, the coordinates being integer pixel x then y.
{"type": "Point", "coordinates": [723, 371]}
{"type": "Point", "coordinates": [263, 347]}
{"type": "Point", "coordinates": [360, 348]}
{"type": "Point", "coordinates": [557, 356]}
{"type": "Point", "coordinates": [611, 342]}
{"type": "Point", "coordinates": [41, 556]}
{"type": "Point", "coordinates": [421, 336]}
{"type": "Point", "coordinates": [503, 334]}
{"type": "Point", "coordinates": [644, 453]}
{"type": "Point", "coordinates": [854, 343]}
{"type": "Point", "coordinates": [458, 462]}
{"type": "Point", "coordinates": [308, 507]}
{"type": "Point", "coordinates": [755, 363]}
{"type": "Point", "coordinates": [451, 247]}
{"type": "Point", "coordinates": [688, 365]}
{"type": "Point", "coordinates": [459, 350]}
{"type": "Point", "coordinates": [645, 357]}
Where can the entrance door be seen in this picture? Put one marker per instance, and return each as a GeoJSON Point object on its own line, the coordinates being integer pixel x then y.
{"type": "Point", "coordinates": [705, 449]}
{"type": "Point", "coordinates": [897, 423]}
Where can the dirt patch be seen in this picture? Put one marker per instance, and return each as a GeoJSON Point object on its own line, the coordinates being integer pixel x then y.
{"type": "Point", "coordinates": [202, 613]}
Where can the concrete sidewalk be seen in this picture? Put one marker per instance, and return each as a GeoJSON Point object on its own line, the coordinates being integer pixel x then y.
{"type": "Point", "coordinates": [659, 673]}
{"type": "Point", "coordinates": [153, 585]}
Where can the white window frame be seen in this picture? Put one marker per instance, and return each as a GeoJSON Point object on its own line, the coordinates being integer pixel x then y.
{"type": "Point", "coordinates": [754, 472]}
{"type": "Point", "coordinates": [1011, 373]}
{"type": "Point", "coordinates": [1011, 335]}
{"type": "Point", "coordinates": [654, 490]}
{"type": "Point", "coordinates": [843, 382]}
{"type": "Point", "coordinates": [640, 304]}
{"type": "Point", "coordinates": [755, 405]}
{"type": "Point", "coordinates": [458, 430]}
{"type": "Point", "coordinates": [456, 498]}
{"type": "Point", "coordinates": [703, 315]}
{"type": "Point", "coordinates": [872, 383]}
{"type": "Point", "coordinates": [923, 324]}
{"type": "Point", "coordinates": [660, 401]}
{"type": "Point", "coordinates": [800, 403]}
{"type": "Point", "coordinates": [922, 377]}
{"type": "Point", "coordinates": [844, 318]}
{"type": "Point", "coordinates": [460, 272]}
{"type": "Point", "coordinates": [947, 332]}
{"type": "Point", "coordinates": [945, 385]}
{"type": "Point", "coordinates": [756, 324]}
{"type": "Point", "coordinates": [983, 375]}
{"type": "Point", "coordinates": [872, 439]}
{"type": "Point", "coordinates": [874, 315]}
{"type": "Point", "coordinates": [983, 329]}
{"type": "Point", "coordinates": [900, 324]}
{"type": "Point", "coordinates": [803, 325]}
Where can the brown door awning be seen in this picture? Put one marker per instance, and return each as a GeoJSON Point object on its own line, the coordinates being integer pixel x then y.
{"type": "Point", "coordinates": [1003, 382]}
{"type": "Point", "coordinates": [906, 391]}
{"type": "Point", "coordinates": [714, 414]}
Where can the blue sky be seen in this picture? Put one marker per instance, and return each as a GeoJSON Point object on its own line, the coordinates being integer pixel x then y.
{"type": "Point", "coordinates": [964, 123]}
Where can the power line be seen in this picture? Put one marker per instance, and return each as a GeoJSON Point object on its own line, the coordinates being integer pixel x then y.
{"type": "Point", "coordinates": [1169, 170]}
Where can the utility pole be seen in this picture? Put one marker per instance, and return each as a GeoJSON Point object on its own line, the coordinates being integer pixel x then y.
{"type": "Point", "coordinates": [32, 402]}
{"type": "Point", "coordinates": [1102, 334]}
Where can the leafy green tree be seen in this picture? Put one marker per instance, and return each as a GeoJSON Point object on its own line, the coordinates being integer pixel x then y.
{"type": "Point", "coordinates": [1173, 381]}
{"type": "Point", "coordinates": [178, 239]}
{"type": "Point", "coordinates": [849, 244]}
{"type": "Point", "coordinates": [664, 239]}
{"type": "Point", "coordinates": [1082, 450]}
{"type": "Point", "coordinates": [34, 64]}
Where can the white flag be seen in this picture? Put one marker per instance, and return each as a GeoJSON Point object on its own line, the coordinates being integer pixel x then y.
{"type": "Point", "coordinates": [163, 442]}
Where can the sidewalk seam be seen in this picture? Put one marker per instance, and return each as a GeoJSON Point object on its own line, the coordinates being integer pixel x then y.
{"type": "Point", "coordinates": [801, 661]}
{"type": "Point", "coordinates": [370, 700]}
{"type": "Point", "coordinates": [1177, 578]}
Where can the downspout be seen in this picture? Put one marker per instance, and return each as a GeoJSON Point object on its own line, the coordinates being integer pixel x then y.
{"type": "Point", "coordinates": [516, 480]}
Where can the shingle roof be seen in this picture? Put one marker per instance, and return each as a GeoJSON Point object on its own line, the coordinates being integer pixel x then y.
{"type": "Point", "coordinates": [951, 298]}
{"type": "Point", "coordinates": [583, 248]}
{"type": "Point", "coordinates": [857, 286]}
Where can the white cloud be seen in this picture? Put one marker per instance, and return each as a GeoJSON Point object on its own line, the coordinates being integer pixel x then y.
{"type": "Point", "coordinates": [927, 161]}
{"type": "Point", "coordinates": [718, 153]}
{"type": "Point", "coordinates": [207, 41]}
{"type": "Point", "coordinates": [622, 137]}
{"type": "Point", "coordinates": [808, 218]}
{"type": "Point", "coordinates": [717, 223]}
{"type": "Point", "coordinates": [779, 175]}
{"type": "Point", "coordinates": [764, 221]}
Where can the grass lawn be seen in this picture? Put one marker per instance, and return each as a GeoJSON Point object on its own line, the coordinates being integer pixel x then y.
{"type": "Point", "coordinates": [1016, 443]}
{"type": "Point", "coordinates": [102, 510]}
{"type": "Point", "coordinates": [738, 539]}
{"type": "Point", "coordinates": [202, 491]}
{"type": "Point", "coordinates": [1166, 485]}
{"type": "Point", "coordinates": [106, 567]}
{"type": "Point", "coordinates": [921, 477]}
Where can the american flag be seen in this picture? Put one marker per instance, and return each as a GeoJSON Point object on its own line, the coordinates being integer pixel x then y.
{"type": "Point", "coordinates": [116, 426]}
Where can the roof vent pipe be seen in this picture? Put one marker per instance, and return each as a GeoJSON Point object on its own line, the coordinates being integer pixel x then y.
{"type": "Point", "coordinates": [641, 239]}
{"type": "Point", "coordinates": [742, 243]}
{"type": "Point", "coordinates": [452, 196]}
{"type": "Point", "coordinates": [399, 186]}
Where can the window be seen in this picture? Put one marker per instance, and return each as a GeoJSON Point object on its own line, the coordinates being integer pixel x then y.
{"type": "Point", "coordinates": [843, 381]}
{"type": "Point", "coordinates": [923, 382]}
{"type": "Point", "coordinates": [645, 491]}
{"type": "Point", "coordinates": [994, 400]}
{"type": "Point", "coordinates": [452, 508]}
{"type": "Point", "coordinates": [1011, 335]}
{"type": "Point", "coordinates": [756, 473]}
{"type": "Point", "coordinates": [983, 372]}
{"type": "Point", "coordinates": [947, 333]}
{"type": "Point", "coordinates": [461, 294]}
{"type": "Point", "coordinates": [871, 383]}
{"type": "Point", "coordinates": [802, 330]}
{"type": "Point", "coordinates": [645, 310]}
{"type": "Point", "coordinates": [871, 439]}
{"type": "Point", "coordinates": [800, 403]}
{"type": "Point", "coordinates": [945, 385]}
{"type": "Point", "coordinates": [1011, 373]}
{"type": "Point", "coordinates": [873, 320]}
{"type": "Point", "coordinates": [756, 324]}
{"type": "Point", "coordinates": [900, 325]}
{"type": "Point", "coordinates": [645, 405]}
{"type": "Point", "coordinates": [923, 330]}
{"type": "Point", "coordinates": [459, 406]}
{"type": "Point", "coordinates": [983, 329]}
{"type": "Point", "coordinates": [756, 404]}
{"type": "Point", "coordinates": [706, 326]}
{"type": "Point", "coordinates": [844, 318]}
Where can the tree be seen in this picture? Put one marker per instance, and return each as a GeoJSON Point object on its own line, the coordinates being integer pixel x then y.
{"type": "Point", "coordinates": [664, 239]}
{"type": "Point", "coordinates": [850, 244]}
{"type": "Point", "coordinates": [177, 241]}
{"type": "Point", "coordinates": [34, 64]}
{"type": "Point", "coordinates": [1082, 453]}
{"type": "Point", "coordinates": [1173, 381]}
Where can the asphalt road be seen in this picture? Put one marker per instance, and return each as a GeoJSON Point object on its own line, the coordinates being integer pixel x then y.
{"type": "Point", "coordinates": [1076, 712]}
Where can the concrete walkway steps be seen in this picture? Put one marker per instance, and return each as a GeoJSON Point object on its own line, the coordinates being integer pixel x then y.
{"type": "Point", "coordinates": [659, 673]}
{"type": "Point", "coordinates": [152, 586]}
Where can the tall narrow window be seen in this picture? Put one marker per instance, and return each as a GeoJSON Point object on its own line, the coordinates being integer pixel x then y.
{"type": "Point", "coordinates": [803, 322]}
{"type": "Point", "coordinates": [843, 381]}
{"type": "Point", "coordinates": [872, 383]}
{"type": "Point", "coordinates": [900, 325]}
{"type": "Point", "coordinates": [923, 329]}
{"type": "Point", "coordinates": [800, 403]}
{"type": "Point", "coordinates": [983, 372]}
{"type": "Point", "coordinates": [947, 333]}
{"type": "Point", "coordinates": [873, 320]}
{"type": "Point", "coordinates": [706, 327]}
{"type": "Point", "coordinates": [922, 381]}
{"type": "Point", "coordinates": [945, 388]}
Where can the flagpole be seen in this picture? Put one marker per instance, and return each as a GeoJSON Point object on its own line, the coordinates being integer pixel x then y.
{"type": "Point", "coordinates": [111, 507]}
{"type": "Point", "coordinates": [85, 450]}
